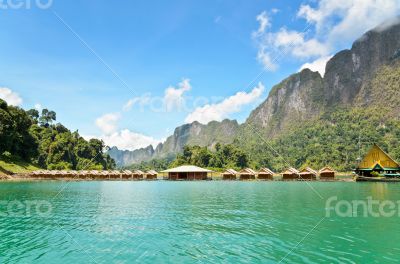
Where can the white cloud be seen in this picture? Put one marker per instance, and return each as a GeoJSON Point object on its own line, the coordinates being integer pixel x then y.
{"type": "Point", "coordinates": [317, 65]}
{"type": "Point", "coordinates": [264, 23]}
{"type": "Point", "coordinates": [333, 26]}
{"type": "Point", "coordinates": [38, 107]}
{"type": "Point", "coordinates": [108, 123]}
{"type": "Point", "coordinates": [142, 101]}
{"type": "Point", "coordinates": [275, 10]}
{"type": "Point", "coordinates": [12, 98]}
{"type": "Point", "coordinates": [266, 60]}
{"type": "Point", "coordinates": [128, 140]}
{"type": "Point", "coordinates": [345, 20]}
{"type": "Point", "coordinates": [219, 111]}
{"type": "Point", "coordinates": [174, 97]}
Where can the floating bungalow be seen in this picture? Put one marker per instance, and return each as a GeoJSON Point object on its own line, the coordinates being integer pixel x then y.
{"type": "Point", "coordinates": [126, 174]}
{"type": "Point", "coordinates": [247, 174]}
{"type": "Point", "coordinates": [265, 174]}
{"type": "Point", "coordinates": [378, 163]}
{"type": "Point", "coordinates": [114, 175]}
{"type": "Point", "coordinates": [151, 175]}
{"type": "Point", "coordinates": [229, 174]}
{"type": "Point", "coordinates": [327, 173]}
{"type": "Point", "coordinates": [308, 174]}
{"type": "Point", "coordinates": [187, 172]}
{"type": "Point", "coordinates": [138, 175]}
{"type": "Point", "coordinates": [290, 174]}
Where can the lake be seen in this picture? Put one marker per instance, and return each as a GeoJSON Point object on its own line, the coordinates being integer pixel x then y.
{"type": "Point", "coordinates": [195, 222]}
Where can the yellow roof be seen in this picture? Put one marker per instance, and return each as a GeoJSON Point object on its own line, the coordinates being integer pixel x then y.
{"type": "Point", "coordinates": [377, 155]}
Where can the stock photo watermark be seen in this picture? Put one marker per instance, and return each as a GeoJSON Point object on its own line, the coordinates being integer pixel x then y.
{"type": "Point", "coordinates": [362, 208]}
{"type": "Point", "coordinates": [26, 208]}
{"type": "Point", "coordinates": [25, 4]}
{"type": "Point", "coordinates": [160, 104]}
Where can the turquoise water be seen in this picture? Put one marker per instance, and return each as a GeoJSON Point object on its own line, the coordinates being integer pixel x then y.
{"type": "Point", "coordinates": [193, 222]}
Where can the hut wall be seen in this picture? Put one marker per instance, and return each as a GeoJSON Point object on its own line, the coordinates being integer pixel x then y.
{"type": "Point", "coordinates": [151, 176]}
{"type": "Point", "coordinates": [115, 176]}
{"type": "Point", "coordinates": [327, 175]}
{"type": "Point", "coordinates": [228, 177]}
{"type": "Point", "coordinates": [247, 177]}
{"type": "Point", "coordinates": [265, 176]}
{"type": "Point", "coordinates": [289, 176]}
{"type": "Point", "coordinates": [307, 176]}
{"type": "Point", "coordinates": [187, 176]}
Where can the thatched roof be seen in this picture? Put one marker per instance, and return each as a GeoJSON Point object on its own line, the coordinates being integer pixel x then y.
{"type": "Point", "coordinates": [127, 172]}
{"type": "Point", "coordinates": [187, 168]}
{"type": "Point", "coordinates": [138, 172]}
{"type": "Point", "coordinates": [308, 170]}
{"type": "Point", "coordinates": [266, 171]}
{"type": "Point", "coordinates": [229, 172]}
{"type": "Point", "coordinates": [247, 171]}
{"type": "Point", "coordinates": [326, 169]}
{"type": "Point", "coordinates": [291, 171]}
{"type": "Point", "coordinates": [151, 172]}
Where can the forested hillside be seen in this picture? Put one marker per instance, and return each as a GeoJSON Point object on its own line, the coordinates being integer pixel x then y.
{"type": "Point", "coordinates": [314, 120]}
{"type": "Point", "coordinates": [32, 137]}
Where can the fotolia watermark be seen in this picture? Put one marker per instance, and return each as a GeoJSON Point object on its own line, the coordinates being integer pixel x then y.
{"type": "Point", "coordinates": [25, 4]}
{"type": "Point", "coordinates": [27, 208]}
{"type": "Point", "coordinates": [362, 208]}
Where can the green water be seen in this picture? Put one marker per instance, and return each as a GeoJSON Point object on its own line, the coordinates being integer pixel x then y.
{"type": "Point", "coordinates": [193, 222]}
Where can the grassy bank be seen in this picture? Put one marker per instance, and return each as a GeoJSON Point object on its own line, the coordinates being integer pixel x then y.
{"type": "Point", "coordinates": [8, 167]}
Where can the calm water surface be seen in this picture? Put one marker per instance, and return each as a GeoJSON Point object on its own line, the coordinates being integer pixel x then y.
{"type": "Point", "coordinates": [195, 222]}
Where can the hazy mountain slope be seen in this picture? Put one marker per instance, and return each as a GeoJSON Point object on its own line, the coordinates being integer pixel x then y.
{"type": "Point", "coordinates": [188, 134]}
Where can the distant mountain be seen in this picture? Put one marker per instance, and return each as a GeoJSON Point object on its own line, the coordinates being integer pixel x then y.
{"type": "Point", "coordinates": [348, 81]}
{"type": "Point", "coordinates": [359, 95]}
{"type": "Point", "coordinates": [189, 134]}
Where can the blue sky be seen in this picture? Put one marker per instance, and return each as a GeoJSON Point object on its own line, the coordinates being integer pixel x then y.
{"type": "Point", "coordinates": [87, 60]}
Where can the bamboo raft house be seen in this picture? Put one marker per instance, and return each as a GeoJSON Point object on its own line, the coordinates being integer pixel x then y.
{"type": "Point", "coordinates": [265, 174]}
{"type": "Point", "coordinates": [247, 174]}
{"type": "Point", "coordinates": [290, 174]}
{"type": "Point", "coordinates": [308, 174]}
{"type": "Point", "coordinates": [127, 175]}
{"type": "Point", "coordinates": [327, 173]}
{"type": "Point", "coordinates": [229, 174]}
{"type": "Point", "coordinates": [114, 175]}
{"type": "Point", "coordinates": [151, 175]}
{"type": "Point", "coordinates": [187, 172]}
{"type": "Point", "coordinates": [138, 175]}
{"type": "Point", "coordinates": [83, 174]}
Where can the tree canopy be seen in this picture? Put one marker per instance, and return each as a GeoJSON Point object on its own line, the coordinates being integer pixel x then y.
{"type": "Point", "coordinates": [34, 138]}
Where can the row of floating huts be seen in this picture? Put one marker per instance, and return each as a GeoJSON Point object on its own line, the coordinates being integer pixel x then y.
{"type": "Point", "coordinates": [187, 172]}
{"type": "Point", "coordinates": [325, 173]}
{"type": "Point", "coordinates": [95, 174]}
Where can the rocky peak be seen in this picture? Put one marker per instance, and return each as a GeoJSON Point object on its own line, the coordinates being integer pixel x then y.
{"type": "Point", "coordinates": [306, 94]}
{"type": "Point", "coordinates": [298, 96]}
{"type": "Point", "coordinates": [349, 70]}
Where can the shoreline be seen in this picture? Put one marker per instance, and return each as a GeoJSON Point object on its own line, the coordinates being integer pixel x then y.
{"type": "Point", "coordinates": [24, 178]}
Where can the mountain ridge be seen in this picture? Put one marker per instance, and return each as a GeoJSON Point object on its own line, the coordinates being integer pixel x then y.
{"type": "Point", "coordinates": [355, 77]}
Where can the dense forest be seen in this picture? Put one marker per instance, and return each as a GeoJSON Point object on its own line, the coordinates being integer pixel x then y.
{"type": "Point", "coordinates": [35, 138]}
{"type": "Point", "coordinates": [222, 156]}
